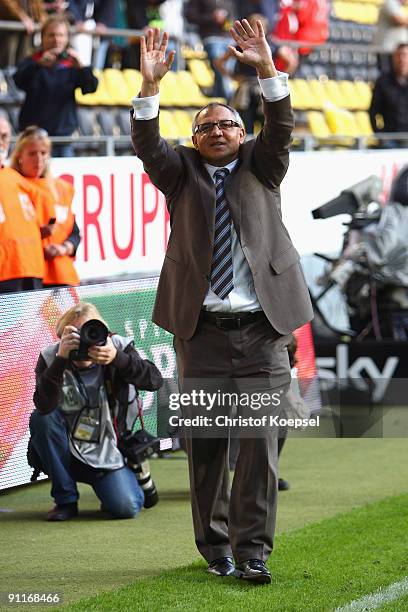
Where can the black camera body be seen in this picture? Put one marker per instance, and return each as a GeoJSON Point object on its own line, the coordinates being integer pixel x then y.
{"type": "Point", "coordinates": [138, 446]}
{"type": "Point", "coordinates": [93, 333]}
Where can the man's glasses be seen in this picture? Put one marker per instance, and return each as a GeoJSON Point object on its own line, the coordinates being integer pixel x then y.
{"type": "Point", "coordinates": [223, 124]}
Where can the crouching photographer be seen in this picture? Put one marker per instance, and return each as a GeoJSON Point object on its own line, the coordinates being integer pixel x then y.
{"type": "Point", "coordinates": [86, 403]}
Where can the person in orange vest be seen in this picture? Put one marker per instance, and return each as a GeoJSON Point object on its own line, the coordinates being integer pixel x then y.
{"type": "Point", "coordinates": [31, 157]}
{"type": "Point", "coordinates": [21, 253]}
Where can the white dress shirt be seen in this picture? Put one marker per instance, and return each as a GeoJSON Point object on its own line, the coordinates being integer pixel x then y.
{"type": "Point", "coordinates": [242, 298]}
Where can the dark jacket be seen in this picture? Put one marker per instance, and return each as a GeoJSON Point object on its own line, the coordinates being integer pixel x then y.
{"type": "Point", "coordinates": [200, 12]}
{"type": "Point", "coordinates": [253, 194]}
{"type": "Point", "coordinates": [50, 94]}
{"type": "Point", "coordinates": [77, 10]}
{"type": "Point", "coordinates": [137, 12]}
{"type": "Point", "coordinates": [128, 368]}
{"type": "Point", "coordinates": [390, 100]}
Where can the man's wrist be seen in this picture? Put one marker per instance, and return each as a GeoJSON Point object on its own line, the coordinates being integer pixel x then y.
{"type": "Point", "coordinates": [149, 89]}
{"type": "Point", "coordinates": [266, 71]}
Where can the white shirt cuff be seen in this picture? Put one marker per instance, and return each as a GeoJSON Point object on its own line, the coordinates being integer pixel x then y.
{"type": "Point", "coordinates": [275, 88]}
{"type": "Point", "coordinates": [146, 108]}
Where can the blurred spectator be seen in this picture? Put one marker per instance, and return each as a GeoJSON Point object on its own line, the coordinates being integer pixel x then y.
{"type": "Point", "coordinates": [31, 157]}
{"type": "Point", "coordinates": [21, 254]}
{"type": "Point", "coordinates": [267, 8]}
{"type": "Point", "coordinates": [247, 97]}
{"type": "Point", "coordinates": [55, 6]}
{"type": "Point", "coordinates": [138, 15]}
{"type": "Point", "coordinates": [92, 17]}
{"type": "Point", "coordinates": [392, 30]}
{"type": "Point", "coordinates": [172, 15]}
{"type": "Point", "coordinates": [5, 137]}
{"type": "Point", "coordinates": [214, 19]}
{"type": "Point", "coordinates": [389, 104]}
{"type": "Point", "coordinates": [50, 78]}
{"type": "Point", "coordinates": [105, 16]}
{"type": "Point", "coordinates": [15, 45]}
{"type": "Point", "coordinates": [80, 14]}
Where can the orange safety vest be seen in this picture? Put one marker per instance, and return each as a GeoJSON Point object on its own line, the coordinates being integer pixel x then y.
{"type": "Point", "coordinates": [21, 253]}
{"type": "Point", "coordinates": [57, 201]}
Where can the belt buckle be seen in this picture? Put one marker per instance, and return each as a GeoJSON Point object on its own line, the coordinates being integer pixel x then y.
{"type": "Point", "coordinates": [227, 323]}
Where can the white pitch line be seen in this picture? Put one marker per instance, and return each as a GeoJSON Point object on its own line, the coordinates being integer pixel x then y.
{"type": "Point", "coordinates": [376, 600]}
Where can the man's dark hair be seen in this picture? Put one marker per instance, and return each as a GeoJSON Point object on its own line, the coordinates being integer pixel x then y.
{"type": "Point", "coordinates": [401, 46]}
{"type": "Point", "coordinates": [232, 110]}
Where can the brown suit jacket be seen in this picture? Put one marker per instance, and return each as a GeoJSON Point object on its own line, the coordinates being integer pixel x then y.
{"type": "Point", "coordinates": [253, 194]}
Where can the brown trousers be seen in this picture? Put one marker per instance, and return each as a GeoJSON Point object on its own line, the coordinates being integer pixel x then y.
{"type": "Point", "coordinates": [239, 522]}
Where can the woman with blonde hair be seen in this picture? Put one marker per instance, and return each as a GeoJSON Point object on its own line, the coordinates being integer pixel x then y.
{"type": "Point", "coordinates": [21, 253]}
{"type": "Point", "coordinates": [31, 158]}
{"type": "Point", "coordinates": [84, 398]}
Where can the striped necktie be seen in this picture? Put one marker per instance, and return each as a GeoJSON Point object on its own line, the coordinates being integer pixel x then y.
{"type": "Point", "coordinates": [221, 268]}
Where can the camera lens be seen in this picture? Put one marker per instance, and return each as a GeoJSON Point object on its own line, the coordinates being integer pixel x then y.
{"type": "Point", "coordinates": [94, 332]}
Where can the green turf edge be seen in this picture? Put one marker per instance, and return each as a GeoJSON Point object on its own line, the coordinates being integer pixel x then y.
{"type": "Point", "coordinates": [316, 568]}
{"type": "Point", "coordinates": [400, 605]}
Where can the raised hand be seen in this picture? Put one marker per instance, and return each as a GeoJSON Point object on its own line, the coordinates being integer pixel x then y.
{"type": "Point", "coordinates": [153, 62]}
{"type": "Point", "coordinates": [255, 50]}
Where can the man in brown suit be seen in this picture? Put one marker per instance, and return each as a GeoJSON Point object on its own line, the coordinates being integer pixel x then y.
{"type": "Point", "coordinates": [230, 290]}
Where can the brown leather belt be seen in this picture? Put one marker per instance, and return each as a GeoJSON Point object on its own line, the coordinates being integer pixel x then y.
{"type": "Point", "coordinates": [231, 320]}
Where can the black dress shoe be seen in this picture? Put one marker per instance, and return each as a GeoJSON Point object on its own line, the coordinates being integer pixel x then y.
{"type": "Point", "coordinates": [63, 512]}
{"type": "Point", "coordinates": [283, 485]}
{"type": "Point", "coordinates": [221, 567]}
{"type": "Point", "coordinates": [253, 570]}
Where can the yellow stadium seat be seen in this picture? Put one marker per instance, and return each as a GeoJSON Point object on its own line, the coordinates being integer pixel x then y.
{"type": "Point", "coordinates": [305, 98]}
{"type": "Point", "coordinates": [100, 97]}
{"type": "Point", "coordinates": [189, 93]}
{"type": "Point", "coordinates": [341, 122]}
{"type": "Point", "coordinates": [341, 10]}
{"type": "Point", "coordinates": [189, 53]}
{"type": "Point", "coordinates": [317, 125]}
{"type": "Point", "coordinates": [116, 86]}
{"type": "Point", "coordinates": [364, 94]}
{"type": "Point", "coordinates": [168, 125]}
{"type": "Point", "coordinates": [294, 94]}
{"type": "Point", "coordinates": [319, 92]}
{"type": "Point", "coordinates": [334, 94]}
{"type": "Point", "coordinates": [133, 80]}
{"type": "Point", "coordinates": [184, 121]}
{"type": "Point", "coordinates": [349, 95]}
{"type": "Point", "coordinates": [169, 90]}
{"type": "Point", "coordinates": [371, 15]}
{"type": "Point", "coordinates": [363, 122]}
{"type": "Point", "coordinates": [202, 73]}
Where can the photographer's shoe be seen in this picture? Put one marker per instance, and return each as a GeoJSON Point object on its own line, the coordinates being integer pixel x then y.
{"type": "Point", "coordinates": [63, 512]}
{"type": "Point", "coordinates": [283, 485]}
{"type": "Point", "coordinates": [142, 472]}
{"type": "Point", "coordinates": [221, 567]}
{"type": "Point", "coordinates": [253, 570]}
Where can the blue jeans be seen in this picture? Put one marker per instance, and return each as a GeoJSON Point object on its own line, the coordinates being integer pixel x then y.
{"type": "Point", "coordinates": [63, 149]}
{"type": "Point", "coordinates": [118, 490]}
{"type": "Point", "coordinates": [215, 46]}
